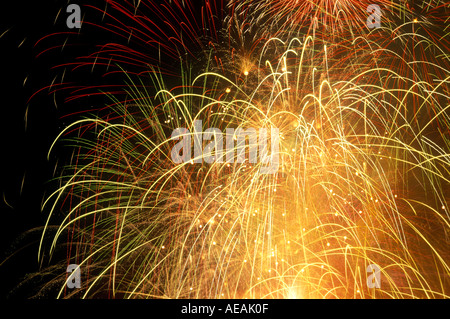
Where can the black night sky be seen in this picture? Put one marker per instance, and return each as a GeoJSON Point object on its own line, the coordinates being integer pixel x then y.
{"type": "Point", "coordinates": [26, 169]}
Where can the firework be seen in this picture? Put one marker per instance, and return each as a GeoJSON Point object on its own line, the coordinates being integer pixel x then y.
{"type": "Point", "coordinates": [146, 227]}
{"type": "Point", "coordinates": [362, 181]}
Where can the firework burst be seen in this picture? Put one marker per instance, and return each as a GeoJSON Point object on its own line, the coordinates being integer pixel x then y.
{"type": "Point", "coordinates": [363, 175]}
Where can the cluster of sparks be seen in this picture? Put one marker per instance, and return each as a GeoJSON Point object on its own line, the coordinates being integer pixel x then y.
{"type": "Point", "coordinates": [364, 174]}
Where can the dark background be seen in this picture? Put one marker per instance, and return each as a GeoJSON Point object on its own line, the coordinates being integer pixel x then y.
{"type": "Point", "coordinates": [25, 169]}
{"type": "Point", "coordinates": [27, 131]}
